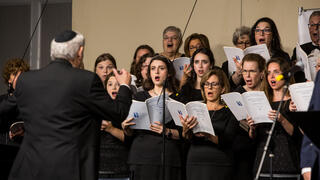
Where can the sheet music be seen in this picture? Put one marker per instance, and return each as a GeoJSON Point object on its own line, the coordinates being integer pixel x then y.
{"type": "Point", "coordinates": [236, 104]}
{"type": "Point", "coordinates": [261, 49]}
{"type": "Point", "coordinates": [302, 57]}
{"type": "Point", "coordinates": [200, 111]}
{"type": "Point", "coordinates": [258, 106]}
{"type": "Point", "coordinates": [233, 52]}
{"type": "Point", "coordinates": [155, 109]}
{"type": "Point", "coordinates": [176, 108]}
{"type": "Point", "coordinates": [139, 113]}
{"type": "Point", "coordinates": [178, 65]}
{"type": "Point", "coordinates": [301, 94]}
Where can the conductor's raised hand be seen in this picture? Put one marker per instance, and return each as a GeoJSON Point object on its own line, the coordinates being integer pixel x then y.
{"type": "Point", "coordinates": [122, 76]}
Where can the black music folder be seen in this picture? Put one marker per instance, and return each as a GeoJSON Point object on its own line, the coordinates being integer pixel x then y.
{"type": "Point", "coordinates": [309, 122]}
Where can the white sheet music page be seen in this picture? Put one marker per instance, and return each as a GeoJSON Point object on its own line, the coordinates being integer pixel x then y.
{"type": "Point", "coordinates": [261, 49]}
{"type": "Point", "coordinates": [139, 113]}
{"type": "Point", "coordinates": [258, 106]}
{"type": "Point", "coordinates": [155, 109]}
{"type": "Point", "coordinates": [301, 94]}
{"type": "Point", "coordinates": [233, 52]}
{"type": "Point", "coordinates": [176, 108]}
{"type": "Point", "coordinates": [178, 65]}
{"type": "Point", "coordinates": [236, 104]}
{"type": "Point", "coordinates": [200, 111]}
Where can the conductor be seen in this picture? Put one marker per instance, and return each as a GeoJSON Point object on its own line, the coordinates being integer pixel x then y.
{"type": "Point", "coordinates": [62, 106]}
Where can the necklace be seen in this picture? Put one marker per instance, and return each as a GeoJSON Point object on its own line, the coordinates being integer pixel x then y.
{"type": "Point", "coordinates": [154, 92]}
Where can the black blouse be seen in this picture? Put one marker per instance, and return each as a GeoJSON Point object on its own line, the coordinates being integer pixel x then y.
{"type": "Point", "coordinates": [188, 94]}
{"type": "Point", "coordinates": [203, 151]}
{"type": "Point", "coordinates": [286, 148]}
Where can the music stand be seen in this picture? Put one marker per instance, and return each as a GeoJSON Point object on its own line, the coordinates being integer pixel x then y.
{"type": "Point", "coordinates": [309, 122]}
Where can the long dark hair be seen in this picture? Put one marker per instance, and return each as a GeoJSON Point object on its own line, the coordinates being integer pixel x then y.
{"type": "Point", "coordinates": [172, 82]}
{"type": "Point", "coordinates": [275, 45]}
{"type": "Point", "coordinates": [284, 67]}
{"type": "Point", "coordinates": [105, 57]}
{"type": "Point", "coordinates": [133, 63]}
{"type": "Point", "coordinates": [138, 68]}
{"type": "Point", "coordinates": [193, 78]}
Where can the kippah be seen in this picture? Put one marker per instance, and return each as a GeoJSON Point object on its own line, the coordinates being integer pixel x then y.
{"type": "Point", "coordinates": [65, 36]}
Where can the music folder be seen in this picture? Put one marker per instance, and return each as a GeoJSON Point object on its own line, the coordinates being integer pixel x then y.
{"type": "Point", "coordinates": [309, 122]}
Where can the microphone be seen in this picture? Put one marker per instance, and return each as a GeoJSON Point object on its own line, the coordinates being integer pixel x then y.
{"type": "Point", "coordinates": [288, 74]}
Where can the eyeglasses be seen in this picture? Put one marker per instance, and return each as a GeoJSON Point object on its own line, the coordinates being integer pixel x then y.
{"type": "Point", "coordinates": [314, 26]}
{"type": "Point", "coordinates": [211, 85]}
{"type": "Point", "coordinates": [243, 43]}
{"type": "Point", "coordinates": [195, 47]}
{"type": "Point", "coordinates": [110, 67]}
{"type": "Point", "coordinates": [171, 38]}
{"type": "Point", "coordinates": [245, 72]}
{"type": "Point", "coordinates": [264, 31]}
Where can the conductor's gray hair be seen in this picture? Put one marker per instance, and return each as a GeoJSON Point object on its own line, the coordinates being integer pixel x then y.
{"type": "Point", "coordinates": [66, 50]}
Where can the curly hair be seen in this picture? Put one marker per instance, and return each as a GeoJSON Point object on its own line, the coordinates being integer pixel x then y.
{"type": "Point", "coordinates": [13, 66]}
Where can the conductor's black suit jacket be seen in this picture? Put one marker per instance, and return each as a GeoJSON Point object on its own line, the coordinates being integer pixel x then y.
{"type": "Point", "coordinates": [62, 108]}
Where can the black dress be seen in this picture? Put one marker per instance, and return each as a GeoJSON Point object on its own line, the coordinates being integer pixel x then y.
{"type": "Point", "coordinates": [113, 156]}
{"type": "Point", "coordinates": [188, 94]}
{"type": "Point", "coordinates": [284, 147]}
{"type": "Point", "coordinates": [233, 86]}
{"type": "Point", "coordinates": [146, 150]}
{"type": "Point", "coordinates": [207, 160]}
{"type": "Point", "coordinates": [244, 151]}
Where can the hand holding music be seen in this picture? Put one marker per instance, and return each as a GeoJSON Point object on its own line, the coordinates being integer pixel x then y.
{"type": "Point", "coordinates": [292, 107]}
{"type": "Point", "coordinates": [187, 70]}
{"type": "Point", "coordinates": [126, 126]}
{"type": "Point", "coordinates": [238, 66]}
{"type": "Point", "coordinates": [272, 115]}
{"type": "Point", "coordinates": [156, 127]}
{"type": "Point", "coordinates": [188, 122]}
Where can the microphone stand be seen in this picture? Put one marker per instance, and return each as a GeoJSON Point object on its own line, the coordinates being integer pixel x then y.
{"type": "Point", "coordinates": [285, 89]}
{"type": "Point", "coordinates": [163, 153]}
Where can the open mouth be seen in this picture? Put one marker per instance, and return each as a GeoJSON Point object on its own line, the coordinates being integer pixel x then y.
{"type": "Point", "coordinates": [273, 82]}
{"type": "Point", "coordinates": [114, 93]}
{"type": "Point", "coordinates": [201, 71]}
{"type": "Point", "coordinates": [157, 78]}
{"type": "Point", "coordinates": [169, 45]}
{"type": "Point", "coordinates": [210, 93]}
{"type": "Point", "coordinates": [248, 81]}
{"type": "Point", "coordinates": [262, 41]}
